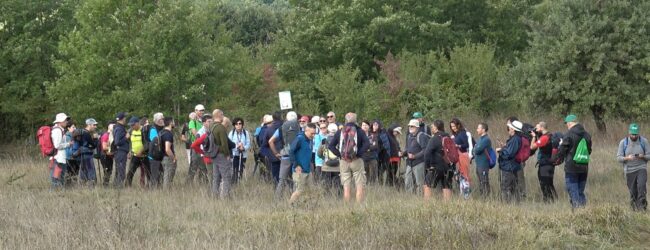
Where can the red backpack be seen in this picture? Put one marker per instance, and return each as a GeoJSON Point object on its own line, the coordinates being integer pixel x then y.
{"type": "Point", "coordinates": [450, 150]}
{"type": "Point", "coordinates": [524, 150]}
{"type": "Point", "coordinates": [44, 136]}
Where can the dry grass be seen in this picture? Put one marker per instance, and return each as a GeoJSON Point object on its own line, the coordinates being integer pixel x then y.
{"type": "Point", "coordinates": [33, 217]}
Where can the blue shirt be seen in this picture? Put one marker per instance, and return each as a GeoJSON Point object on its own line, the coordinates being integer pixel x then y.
{"type": "Point", "coordinates": [243, 137]}
{"type": "Point", "coordinates": [318, 140]}
{"type": "Point", "coordinates": [300, 153]}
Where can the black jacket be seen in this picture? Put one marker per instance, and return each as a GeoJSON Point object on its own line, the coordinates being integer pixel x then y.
{"type": "Point", "coordinates": [362, 142]}
{"type": "Point", "coordinates": [433, 154]}
{"type": "Point", "coordinates": [413, 147]}
{"type": "Point", "coordinates": [569, 146]}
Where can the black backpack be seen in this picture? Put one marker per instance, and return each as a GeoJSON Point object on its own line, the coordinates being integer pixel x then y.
{"type": "Point", "coordinates": [289, 130]}
{"type": "Point", "coordinates": [156, 150]}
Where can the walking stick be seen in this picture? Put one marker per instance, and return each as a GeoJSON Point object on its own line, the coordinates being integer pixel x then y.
{"type": "Point", "coordinates": [239, 168]}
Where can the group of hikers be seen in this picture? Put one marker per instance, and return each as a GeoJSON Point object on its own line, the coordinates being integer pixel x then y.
{"type": "Point", "coordinates": [300, 152]}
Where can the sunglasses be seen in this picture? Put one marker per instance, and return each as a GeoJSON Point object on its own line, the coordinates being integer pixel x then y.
{"type": "Point", "coordinates": [322, 120]}
{"type": "Point", "coordinates": [330, 116]}
{"type": "Point", "coordinates": [239, 123]}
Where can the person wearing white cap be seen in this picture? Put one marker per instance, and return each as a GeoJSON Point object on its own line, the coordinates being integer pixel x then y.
{"type": "Point", "coordinates": [416, 144]}
{"type": "Point", "coordinates": [508, 165]}
{"type": "Point", "coordinates": [88, 144]}
{"type": "Point", "coordinates": [196, 161]}
{"type": "Point", "coordinates": [59, 164]}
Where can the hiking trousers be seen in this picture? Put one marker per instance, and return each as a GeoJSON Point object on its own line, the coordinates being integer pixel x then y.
{"type": "Point", "coordinates": [197, 165]}
{"type": "Point", "coordinates": [143, 164]}
{"type": "Point", "coordinates": [169, 167]}
{"type": "Point", "coordinates": [107, 168]}
{"type": "Point", "coordinates": [509, 189]}
{"type": "Point", "coordinates": [636, 184]}
{"type": "Point", "coordinates": [156, 173]}
{"type": "Point", "coordinates": [575, 185]}
{"type": "Point", "coordinates": [483, 176]}
{"type": "Point", "coordinates": [414, 174]}
{"type": "Point", "coordinates": [285, 170]}
{"type": "Point", "coordinates": [238, 164]}
{"type": "Point", "coordinates": [221, 177]}
{"type": "Point", "coordinates": [120, 165]}
{"type": "Point", "coordinates": [521, 180]}
{"type": "Point", "coordinates": [372, 170]}
{"type": "Point", "coordinates": [87, 170]}
{"type": "Point", "coordinates": [545, 175]}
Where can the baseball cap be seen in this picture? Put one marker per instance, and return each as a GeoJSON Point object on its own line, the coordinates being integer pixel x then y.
{"type": "Point", "coordinates": [634, 129]}
{"type": "Point", "coordinates": [199, 108]}
{"type": "Point", "coordinates": [91, 121]}
{"type": "Point", "coordinates": [417, 115]}
{"type": "Point", "coordinates": [332, 128]}
{"type": "Point", "coordinates": [60, 117]}
{"type": "Point", "coordinates": [133, 120]}
{"type": "Point", "coordinates": [120, 116]}
{"type": "Point", "coordinates": [570, 118]}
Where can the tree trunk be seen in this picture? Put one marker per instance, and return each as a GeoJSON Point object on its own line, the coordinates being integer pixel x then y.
{"type": "Point", "coordinates": [599, 117]}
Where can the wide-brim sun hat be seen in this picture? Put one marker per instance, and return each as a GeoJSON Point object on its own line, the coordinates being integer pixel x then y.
{"type": "Point", "coordinates": [60, 117]}
{"type": "Point", "coordinates": [516, 125]}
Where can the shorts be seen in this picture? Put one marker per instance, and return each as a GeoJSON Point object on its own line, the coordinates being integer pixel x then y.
{"type": "Point", "coordinates": [301, 181]}
{"type": "Point", "coordinates": [435, 178]}
{"type": "Point", "coordinates": [353, 169]}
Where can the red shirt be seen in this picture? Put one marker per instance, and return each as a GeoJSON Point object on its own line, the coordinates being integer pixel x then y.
{"type": "Point", "coordinates": [543, 141]}
{"type": "Point", "coordinates": [196, 146]}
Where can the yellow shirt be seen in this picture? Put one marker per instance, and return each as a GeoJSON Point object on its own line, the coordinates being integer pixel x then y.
{"type": "Point", "coordinates": [136, 142]}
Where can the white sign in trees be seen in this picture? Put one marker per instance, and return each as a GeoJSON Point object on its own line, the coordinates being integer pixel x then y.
{"type": "Point", "coordinates": [285, 100]}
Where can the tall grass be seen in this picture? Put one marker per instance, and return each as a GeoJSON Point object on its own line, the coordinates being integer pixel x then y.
{"type": "Point", "coordinates": [32, 216]}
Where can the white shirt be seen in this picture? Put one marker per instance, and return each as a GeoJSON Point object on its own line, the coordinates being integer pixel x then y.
{"type": "Point", "coordinates": [60, 143]}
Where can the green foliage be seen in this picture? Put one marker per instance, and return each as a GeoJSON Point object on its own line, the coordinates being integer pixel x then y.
{"type": "Point", "coordinates": [588, 56]}
{"type": "Point", "coordinates": [29, 33]}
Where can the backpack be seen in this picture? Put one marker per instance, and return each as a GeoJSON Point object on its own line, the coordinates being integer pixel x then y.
{"type": "Point", "coordinates": [556, 140]}
{"type": "Point", "coordinates": [417, 139]}
{"type": "Point", "coordinates": [524, 150]}
{"type": "Point", "coordinates": [526, 128]}
{"type": "Point", "coordinates": [156, 151]}
{"type": "Point", "coordinates": [450, 151]}
{"type": "Point", "coordinates": [289, 132]}
{"type": "Point", "coordinates": [492, 157]}
{"type": "Point", "coordinates": [44, 136]}
{"type": "Point", "coordinates": [145, 138]}
{"type": "Point", "coordinates": [627, 141]}
{"type": "Point", "coordinates": [210, 149]}
{"type": "Point", "coordinates": [349, 143]}
{"type": "Point", "coordinates": [582, 153]}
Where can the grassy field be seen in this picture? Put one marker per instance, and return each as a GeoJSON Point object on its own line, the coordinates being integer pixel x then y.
{"type": "Point", "coordinates": [32, 216]}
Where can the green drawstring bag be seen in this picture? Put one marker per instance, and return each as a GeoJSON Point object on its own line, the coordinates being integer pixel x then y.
{"type": "Point", "coordinates": [582, 153]}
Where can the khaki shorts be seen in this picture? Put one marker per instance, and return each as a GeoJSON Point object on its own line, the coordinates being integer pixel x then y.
{"type": "Point", "coordinates": [301, 181]}
{"type": "Point", "coordinates": [353, 169]}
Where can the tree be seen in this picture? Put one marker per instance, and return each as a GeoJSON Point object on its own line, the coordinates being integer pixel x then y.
{"type": "Point", "coordinates": [588, 56]}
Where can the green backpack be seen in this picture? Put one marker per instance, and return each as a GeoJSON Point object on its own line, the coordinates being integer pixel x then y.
{"type": "Point", "coordinates": [582, 153]}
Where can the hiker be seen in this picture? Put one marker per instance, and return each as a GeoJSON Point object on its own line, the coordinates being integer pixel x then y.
{"type": "Point", "coordinates": [440, 170]}
{"type": "Point", "coordinates": [222, 169]}
{"type": "Point", "coordinates": [508, 164]}
{"type": "Point", "coordinates": [155, 165]}
{"type": "Point", "coordinates": [633, 153]}
{"type": "Point", "coordinates": [576, 160]}
{"type": "Point", "coordinates": [482, 156]}
{"type": "Point", "coordinates": [138, 156]}
{"type": "Point", "coordinates": [120, 139]}
{"type": "Point", "coordinates": [319, 139]}
{"type": "Point", "coordinates": [349, 145]}
{"type": "Point", "coordinates": [543, 141]}
{"type": "Point", "coordinates": [72, 154]}
{"type": "Point", "coordinates": [383, 151]}
{"type": "Point", "coordinates": [264, 149]}
{"type": "Point", "coordinates": [331, 118]}
{"type": "Point", "coordinates": [87, 146]}
{"type": "Point", "coordinates": [464, 143]}
{"type": "Point", "coordinates": [395, 155]}
{"type": "Point", "coordinates": [197, 145]}
{"type": "Point", "coordinates": [521, 178]}
{"type": "Point", "coordinates": [331, 177]}
{"type": "Point", "coordinates": [196, 161]}
{"type": "Point", "coordinates": [415, 166]}
{"type": "Point", "coordinates": [422, 127]}
{"type": "Point", "coordinates": [280, 144]}
{"type": "Point", "coordinates": [370, 156]}
{"type": "Point", "coordinates": [271, 157]}
{"type": "Point", "coordinates": [300, 154]}
{"type": "Point", "coordinates": [242, 140]}
{"type": "Point", "coordinates": [185, 137]}
{"type": "Point", "coordinates": [58, 165]}
{"type": "Point", "coordinates": [304, 120]}
{"type": "Point", "coordinates": [106, 156]}
{"type": "Point", "coordinates": [169, 161]}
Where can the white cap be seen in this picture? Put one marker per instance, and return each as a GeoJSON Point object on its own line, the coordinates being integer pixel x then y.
{"type": "Point", "coordinates": [292, 116]}
{"type": "Point", "coordinates": [516, 125]}
{"type": "Point", "coordinates": [267, 119]}
{"type": "Point", "coordinates": [398, 130]}
{"type": "Point", "coordinates": [199, 107]}
{"type": "Point", "coordinates": [414, 123]}
{"type": "Point", "coordinates": [315, 119]}
{"type": "Point", "coordinates": [60, 117]}
{"type": "Point", "coordinates": [332, 128]}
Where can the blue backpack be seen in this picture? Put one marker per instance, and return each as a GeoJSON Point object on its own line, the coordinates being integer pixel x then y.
{"type": "Point", "coordinates": [492, 157]}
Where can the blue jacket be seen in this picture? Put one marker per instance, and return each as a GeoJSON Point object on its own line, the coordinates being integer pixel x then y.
{"type": "Point", "coordinates": [265, 148]}
{"type": "Point", "coordinates": [300, 153]}
{"type": "Point", "coordinates": [507, 155]}
{"type": "Point", "coordinates": [88, 144]}
{"type": "Point", "coordinates": [318, 140]}
{"type": "Point", "coordinates": [119, 138]}
{"type": "Point", "coordinates": [480, 152]}
{"type": "Point", "coordinates": [462, 141]}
